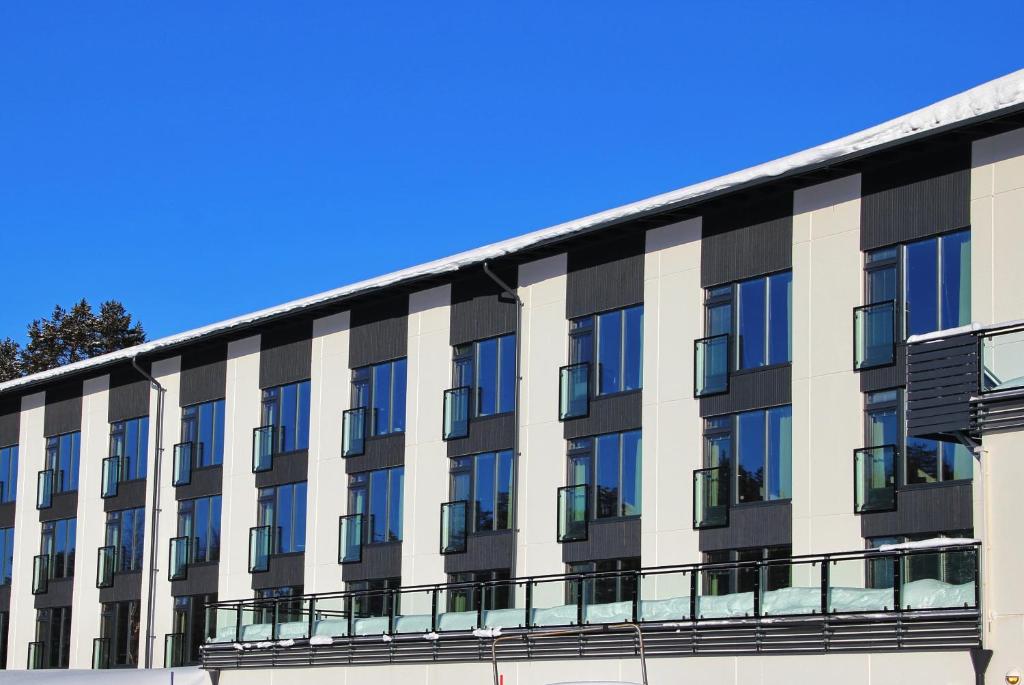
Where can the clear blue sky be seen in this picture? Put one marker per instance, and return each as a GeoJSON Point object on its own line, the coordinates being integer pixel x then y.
{"type": "Point", "coordinates": [199, 160]}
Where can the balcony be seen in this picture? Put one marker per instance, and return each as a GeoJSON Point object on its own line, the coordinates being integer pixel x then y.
{"type": "Point", "coordinates": [178, 559]}
{"type": "Point", "coordinates": [874, 479]}
{"type": "Point", "coordinates": [711, 366]}
{"type": "Point", "coordinates": [100, 652]}
{"type": "Point", "coordinates": [174, 650]}
{"type": "Point", "coordinates": [574, 391]}
{"type": "Point", "coordinates": [259, 549]}
{"type": "Point", "coordinates": [263, 448]}
{"type": "Point", "coordinates": [181, 468]}
{"type": "Point", "coordinates": [350, 539]}
{"type": "Point", "coordinates": [573, 513]}
{"type": "Point", "coordinates": [456, 413]}
{"type": "Point", "coordinates": [40, 574]}
{"type": "Point", "coordinates": [874, 335]}
{"type": "Point", "coordinates": [106, 563]}
{"type": "Point", "coordinates": [44, 489]}
{"type": "Point", "coordinates": [353, 432]}
{"type": "Point", "coordinates": [454, 520]}
{"type": "Point", "coordinates": [899, 598]}
{"type": "Point", "coordinates": [111, 476]}
{"type": "Point", "coordinates": [711, 498]}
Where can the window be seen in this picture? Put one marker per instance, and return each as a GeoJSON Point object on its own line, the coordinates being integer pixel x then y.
{"type": "Point", "coordinates": [58, 543]}
{"type": "Point", "coordinates": [286, 408]}
{"type": "Point", "coordinates": [611, 465]}
{"type": "Point", "coordinates": [286, 609]}
{"type": "Point", "coordinates": [129, 441]}
{"type": "Point", "coordinates": [203, 426]}
{"type": "Point", "coordinates": [485, 481]}
{"type": "Point", "coordinates": [488, 367]}
{"type": "Point", "coordinates": [119, 623]}
{"type": "Point", "coordinates": [283, 508]}
{"type": "Point", "coordinates": [467, 597]}
{"type": "Point", "coordinates": [62, 455]}
{"type": "Point", "coordinates": [377, 604]}
{"type": "Point", "coordinates": [757, 314]}
{"type": "Point", "coordinates": [199, 520]}
{"type": "Point", "coordinates": [195, 623]}
{"type": "Point", "coordinates": [378, 496]}
{"type": "Point", "coordinates": [6, 555]}
{"type": "Point", "coordinates": [5, 626]}
{"type": "Point", "coordinates": [603, 589]}
{"type": "Point", "coordinates": [8, 473]}
{"type": "Point", "coordinates": [53, 630]}
{"type": "Point", "coordinates": [954, 568]}
{"type": "Point", "coordinates": [930, 280]}
{"type": "Point", "coordinates": [124, 532]}
{"type": "Point", "coordinates": [381, 389]}
{"type": "Point", "coordinates": [725, 581]}
{"type": "Point", "coordinates": [757, 447]}
{"type": "Point", "coordinates": [615, 341]}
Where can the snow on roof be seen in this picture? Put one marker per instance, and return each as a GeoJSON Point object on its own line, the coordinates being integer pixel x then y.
{"type": "Point", "coordinates": [986, 99]}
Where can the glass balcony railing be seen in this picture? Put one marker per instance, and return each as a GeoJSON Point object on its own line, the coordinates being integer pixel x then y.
{"type": "Point", "coordinates": [259, 549]}
{"type": "Point", "coordinates": [874, 335]}
{"type": "Point", "coordinates": [181, 468]}
{"type": "Point", "coordinates": [711, 498]}
{"type": "Point", "coordinates": [574, 391]}
{"type": "Point", "coordinates": [1002, 361]}
{"type": "Point", "coordinates": [262, 448]}
{"type": "Point", "coordinates": [100, 652]}
{"type": "Point", "coordinates": [353, 432]}
{"type": "Point", "coordinates": [174, 650]}
{"type": "Point", "coordinates": [874, 483]}
{"type": "Point", "coordinates": [106, 561]}
{"type": "Point", "coordinates": [177, 565]}
{"type": "Point", "coordinates": [111, 476]}
{"type": "Point", "coordinates": [35, 656]}
{"type": "Point", "coordinates": [350, 539]}
{"type": "Point", "coordinates": [453, 527]}
{"type": "Point", "coordinates": [40, 574]}
{"type": "Point", "coordinates": [456, 412]}
{"type": "Point", "coordinates": [44, 489]}
{"type": "Point", "coordinates": [711, 366]}
{"type": "Point", "coordinates": [573, 512]}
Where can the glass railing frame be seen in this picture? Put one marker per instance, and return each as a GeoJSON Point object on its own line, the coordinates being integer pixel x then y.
{"type": "Point", "coordinates": [171, 564]}
{"type": "Point", "coordinates": [342, 546]}
{"type": "Point", "coordinates": [177, 650]}
{"type": "Point", "coordinates": [446, 418]}
{"type": "Point", "coordinates": [727, 480]}
{"type": "Point", "coordinates": [40, 574]}
{"type": "Point", "coordinates": [108, 580]}
{"type": "Point", "coordinates": [267, 554]}
{"type": "Point", "coordinates": [465, 536]}
{"type": "Point", "coordinates": [272, 430]}
{"type": "Point", "coordinates": [105, 482]}
{"type": "Point", "coordinates": [45, 502]}
{"type": "Point", "coordinates": [893, 305]}
{"type": "Point", "coordinates": [354, 411]}
{"type": "Point", "coordinates": [35, 656]}
{"type": "Point", "coordinates": [177, 462]}
{"type": "Point", "coordinates": [893, 487]}
{"type": "Point", "coordinates": [104, 658]}
{"type": "Point", "coordinates": [563, 397]}
{"type": "Point", "coordinates": [697, 366]}
{"type": "Point", "coordinates": [587, 507]}
{"type": "Point", "coordinates": [990, 334]}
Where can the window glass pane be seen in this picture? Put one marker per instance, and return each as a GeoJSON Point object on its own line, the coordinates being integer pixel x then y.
{"type": "Point", "coordinates": [398, 402]}
{"type": "Point", "coordinates": [881, 284]}
{"type": "Point", "coordinates": [460, 485]}
{"type": "Point", "coordinates": [608, 455]}
{"type": "Point", "coordinates": [202, 523]}
{"type": "Point", "coordinates": [214, 528]}
{"type": "Point", "coordinates": [956, 279]}
{"type": "Point", "coordinates": [922, 460]}
{"type": "Point", "coordinates": [503, 506]}
{"type": "Point", "coordinates": [752, 323]}
{"type": "Point", "coordinates": [882, 427]}
{"type": "Point", "coordinates": [633, 357]}
{"type": "Point", "coordinates": [378, 506]}
{"type": "Point", "coordinates": [882, 254]}
{"type": "Point", "coordinates": [631, 473]}
{"type": "Point", "coordinates": [719, 451]}
{"type": "Point", "coordinates": [750, 442]}
{"type": "Point", "coordinates": [780, 335]}
{"type": "Point", "coordinates": [922, 280]}
{"type": "Point", "coordinates": [484, 506]}
{"type": "Point", "coordinates": [507, 373]}
{"type": "Point", "coordinates": [299, 520]}
{"type": "Point", "coordinates": [609, 352]}
{"type": "Point", "coordinates": [286, 428]}
{"type": "Point", "coordinates": [487, 377]}
{"type": "Point", "coordinates": [204, 436]}
{"type": "Point", "coordinates": [957, 463]}
{"type": "Point", "coordinates": [302, 425]}
{"type": "Point", "coordinates": [285, 512]}
{"type": "Point", "coordinates": [579, 470]}
{"type": "Point", "coordinates": [381, 399]}
{"type": "Point", "coordinates": [462, 370]}
{"type": "Point", "coordinates": [581, 347]}
{"type": "Point", "coordinates": [719, 319]}
{"type": "Point", "coordinates": [270, 407]}
{"type": "Point", "coordinates": [780, 452]}
{"type": "Point", "coordinates": [396, 504]}
{"type": "Point", "coordinates": [218, 433]}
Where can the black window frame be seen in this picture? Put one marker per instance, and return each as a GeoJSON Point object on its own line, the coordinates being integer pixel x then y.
{"type": "Point", "coordinates": [6, 555]}
{"type": "Point", "coordinates": [184, 611]}
{"type": "Point", "coordinates": [52, 460]}
{"type": "Point", "coordinates": [186, 510]}
{"type": "Point", "coordinates": [746, 579]}
{"type": "Point", "coordinates": [272, 414]}
{"type": "Point", "coordinates": [711, 431]}
{"type": "Point", "coordinates": [49, 530]}
{"type": "Point", "coordinates": [484, 590]}
{"type": "Point", "coordinates": [263, 495]}
{"type": "Point", "coordinates": [455, 468]}
{"type": "Point", "coordinates": [191, 430]}
{"type": "Point", "coordinates": [119, 436]}
{"type": "Point", "coordinates": [728, 294]}
{"type": "Point", "coordinates": [586, 448]}
{"type": "Point", "coordinates": [588, 326]}
{"type": "Point", "coordinates": [378, 604]}
{"type": "Point", "coordinates": [9, 480]}
{"type": "Point", "coordinates": [362, 480]}
{"type": "Point", "coordinates": [117, 626]}
{"type": "Point", "coordinates": [113, 536]}
{"type": "Point", "coordinates": [622, 575]}
{"type": "Point", "coordinates": [468, 353]}
{"type": "Point", "coordinates": [363, 376]}
{"type": "Point", "coordinates": [61, 656]}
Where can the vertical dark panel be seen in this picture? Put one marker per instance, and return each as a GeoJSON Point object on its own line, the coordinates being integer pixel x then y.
{"type": "Point", "coordinates": [479, 308]}
{"type": "Point", "coordinates": [203, 373]}
{"type": "Point", "coordinates": [752, 525]}
{"type": "Point", "coordinates": [382, 560]}
{"type": "Point", "coordinates": [929, 509]}
{"type": "Point", "coordinates": [286, 353]}
{"type": "Point", "coordinates": [747, 238]}
{"type": "Point", "coordinates": [10, 419]}
{"type": "Point", "coordinates": [283, 570]}
{"type": "Point", "coordinates": [129, 394]}
{"type": "Point", "coordinates": [770, 387]}
{"type": "Point", "coordinates": [486, 434]}
{"type": "Point", "coordinates": [605, 275]}
{"type": "Point", "coordinates": [63, 413]}
{"type": "Point", "coordinates": [380, 332]}
{"type": "Point", "coordinates": [610, 414]}
{"type": "Point", "coordinates": [484, 552]}
{"type": "Point", "coordinates": [615, 538]}
{"type": "Point", "coordinates": [886, 377]}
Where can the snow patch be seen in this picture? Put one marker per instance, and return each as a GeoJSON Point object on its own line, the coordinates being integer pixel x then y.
{"type": "Point", "coordinates": [929, 544]}
{"type": "Point", "coordinates": [321, 641]}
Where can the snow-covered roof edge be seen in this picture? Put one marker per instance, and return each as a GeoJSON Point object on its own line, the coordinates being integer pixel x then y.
{"type": "Point", "coordinates": [993, 96]}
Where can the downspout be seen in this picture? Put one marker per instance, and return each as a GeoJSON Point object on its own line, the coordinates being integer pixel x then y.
{"type": "Point", "coordinates": [515, 412]}
{"type": "Point", "coordinates": [155, 513]}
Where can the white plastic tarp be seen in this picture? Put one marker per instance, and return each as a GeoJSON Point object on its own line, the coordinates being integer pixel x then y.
{"type": "Point", "coordinates": [134, 676]}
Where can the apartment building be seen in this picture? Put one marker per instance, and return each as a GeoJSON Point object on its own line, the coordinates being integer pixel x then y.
{"type": "Point", "coordinates": [769, 423]}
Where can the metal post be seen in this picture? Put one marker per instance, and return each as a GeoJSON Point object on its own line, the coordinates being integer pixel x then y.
{"type": "Point", "coordinates": [579, 600]}
{"type": "Point", "coordinates": [897, 581]}
{"type": "Point", "coordinates": [693, 594]}
{"type": "Point", "coordinates": [312, 610]}
{"type": "Point", "coordinates": [758, 570]}
{"type": "Point", "coordinates": [433, 610]}
{"type": "Point", "coordinates": [479, 596]}
{"type": "Point", "coordinates": [637, 579]}
{"type": "Point", "coordinates": [527, 619]}
{"type": "Point", "coordinates": [824, 585]}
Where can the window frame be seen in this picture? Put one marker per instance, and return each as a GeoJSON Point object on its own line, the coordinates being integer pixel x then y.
{"type": "Point", "coordinates": [586, 448]}
{"type": "Point", "coordinates": [49, 534]}
{"type": "Point", "coordinates": [114, 526]}
{"type": "Point", "coordinates": [54, 454]}
{"type": "Point", "coordinates": [192, 431]}
{"type": "Point", "coordinates": [715, 428]}
{"type": "Point", "coordinates": [6, 556]}
{"type": "Point", "coordinates": [272, 407]}
{"type": "Point", "coordinates": [119, 436]}
{"type": "Point", "coordinates": [454, 470]}
{"type": "Point", "coordinates": [183, 611]}
{"type": "Point", "coordinates": [9, 477]}
{"type": "Point", "coordinates": [469, 353]}
{"type": "Point", "coordinates": [589, 325]}
{"type": "Point", "coordinates": [365, 376]}
{"type": "Point", "coordinates": [363, 480]}
{"type": "Point", "coordinates": [729, 294]}
{"type": "Point", "coordinates": [186, 518]}
{"type": "Point", "coordinates": [118, 630]}
{"type": "Point", "coordinates": [271, 495]}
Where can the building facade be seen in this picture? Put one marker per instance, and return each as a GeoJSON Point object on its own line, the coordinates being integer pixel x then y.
{"type": "Point", "coordinates": [729, 417]}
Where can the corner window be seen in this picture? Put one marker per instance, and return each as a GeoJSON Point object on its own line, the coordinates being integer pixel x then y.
{"type": "Point", "coordinates": [58, 543]}
{"type": "Point", "coordinates": [6, 555]}
{"type": "Point", "coordinates": [8, 473]}
{"type": "Point", "coordinates": [124, 532]}
{"type": "Point", "coordinates": [378, 496]}
{"type": "Point", "coordinates": [488, 367]}
{"type": "Point", "coordinates": [381, 389]}
{"type": "Point", "coordinates": [199, 520]}
{"type": "Point", "coordinates": [129, 440]}
{"type": "Point", "coordinates": [286, 408]}
{"type": "Point", "coordinates": [62, 456]}
{"type": "Point", "coordinates": [613, 343]}
{"type": "Point", "coordinates": [203, 426]}
{"type": "Point", "coordinates": [757, 447]}
{"type": "Point", "coordinates": [283, 509]}
{"type": "Point", "coordinates": [485, 481]}
{"type": "Point", "coordinates": [757, 313]}
{"type": "Point", "coordinates": [611, 465]}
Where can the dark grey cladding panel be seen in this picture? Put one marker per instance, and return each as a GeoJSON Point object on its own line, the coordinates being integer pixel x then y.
{"type": "Point", "coordinates": [769, 387]}
{"type": "Point", "coordinates": [286, 353]}
{"type": "Point", "coordinates": [746, 238]}
{"type": "Point", "coordinates": [922, 195]}
{"type": "Point", "coordinates": [129, 394]}
{"type": "Point", "coordinates": [286, 468]}
{"type": "Point", "coordinates": [605, 275]}
{"type": "Point", "coordinates": [606, 539]}
{"type": "Point", "coordinates": [7, 514]}
{"type": "Point", "coordinates": [10, 420]}
{"type": "Point", "coordinates": [5, 597]}
{"type": "Point", "coordinates": [126, 586]}
{"type": "Point", "coordinates": [63, 413]}
{"type": "Point", "coordinates": [380, 332]}
{"type": "Point", "coordinates": [58, 594]}
{"type": "Point", "coordinates": [130, 495]}
{"type": "Point", "coordinates": [379, 561]}
{"type": "Point", "coordinates": [886, 377]}
{"type": "Point", "coordinates": [381, 452]}
{"type": "Point", "coordinates": [480, 309]}
{"type": "Point", "coordinates": [488, 434]}
{"type": "Point", "coordinates": [201, 580]}
{"type": "Point", "coordinates": [65, 506]}
{"type": "Point", "coordinates": [752, 525]}
{"type": "Point", "coordinates": [203, 374]}
{"type": "Point", "coordinates": [484, 552]}
{"type": "Point", "coordinates": [942, 377]}
{"type": "Point", "coordinates": [936, 508]}
{"type": "Point", "coordinates": [283, 569]}
{"type": "Point", "coordinates": [204, 483]}
{"type": "Point", "coordinates": [609, 414]}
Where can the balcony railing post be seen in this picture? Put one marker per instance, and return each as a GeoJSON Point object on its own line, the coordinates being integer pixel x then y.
{"type": "Point", "coordinates": [636, 595]}
{"type": "Point", "coordinates": [825, 583]}
{"type": "Point", "coordinates": [392, 610]}
{"type": "Point", "coordinates": [433, 609]}
{"type": "Point", "coordinates": [479, 592]}
{"type": "Point", "coordinates": [528, 619]}
{"type": "Point", "coordinates": [693, 594]}
{"type": "Point", "coordinates": [312, 613]}
{"type": "Point", "coordinates": [758, 570]}
{"type": "Point", "coordinates": [350, 610]}
{"type": "Point", "coordinates": [579, 600]}
{"type": "Point", "coordinates": [897, 581]}
{"type": "Point", "coordinates": [977, 578]}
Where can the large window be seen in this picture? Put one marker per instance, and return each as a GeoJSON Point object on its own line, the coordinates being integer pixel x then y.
{"type": "Point", "coordinates": [488, 367]}
{"type": "Point", "coordinates": [611, 465]}
{"type": "Point", "coordinates": [124, 532]}
{"type": "Point", "coordinates": [8, 473]}
{"type": "Point", "coordinates": [286, 608]}
{"type": "Point", "coordinates": [380, 601]}
{"type": "Point", "coordinates": [53, 630]}
{"type": "Point", "coordinates": [6, 555]}
{"type": "Point", "coordinates": [203, 426]}
{"type": "Point", "coordinates": [62, 455]}
{"type": "Point", "coordinates": [755, 446]}
{"type": "Point", "coordinates": [129, 440]}
{"type": "Point", "coordinates": [485, 481]}
{"type": "Point", "coordinates": [286, 408]}
{"type": "Point", "coordinates": [619, 585]}
{"type": "Point", "coordinates": [613, 343]}
{"type": "Point", "coordinates": [199, 520]}
{"type": "Point", "coordinates": [58, 543]}
{"type": "Point", "coordinates": [381, 389]}
{"type": "Point", "coordinates": [283, 508]}
{"type": "Point", "coordinates": [757, 314]}
{"type": "Point", "coordinates": [468, 595]}
{"type": "Point", "coordinates": [195, 623]}
{"type": "Point", "coordinates": [954, 568]}
{"type": "Point", "coordinates": [119, 623]}
{"type": "Point", "coordinates": [377, 495]}
{"type": "Point", "coordinates": [726, 581]}
{"type": "Point", "coordinates": [930, 281]}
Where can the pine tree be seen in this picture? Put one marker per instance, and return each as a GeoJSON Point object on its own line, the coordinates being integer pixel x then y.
{"type": "Point", "coordinates": [115, 330]}
{"type": "Point", "coordinates": [10, 360]}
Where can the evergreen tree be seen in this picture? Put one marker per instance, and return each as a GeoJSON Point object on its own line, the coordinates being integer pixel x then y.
{"type": "Point", "coordinates": [115, 330]}
{"type": "Point", "coordinates": [10, 360]}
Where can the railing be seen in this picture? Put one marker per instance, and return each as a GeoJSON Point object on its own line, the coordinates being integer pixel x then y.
{"type": "Point", "coordinates": [454, 526]}
{"type": "Point", "coordinates": [35, 656]}
{"type": "Point", "coordinates": [262, 448]}
{"type": "Point", "coordinates": [1002, 360]}
{"type": "Point", "coordinates": [111, 476]}
{"type": "Point", "coordinates": [711, 498]}
{"type": "Point", "coordinates": [711, 365]}
{"type": "Point", "coordinates": [573, 512]}
{"type": "Point", "coordinates": [40, 574]}
{"type": "Point", "coordinates": [181, 468]}
{"type": "Point", "coordinates": [100, 652]}
{"type": "Point", "coordinates": [353, 432]}
{"type": "Point", "coordinates": [874, 335]}
{"type": "Point", "coordinates": [44, 489]}
{"type": "Point", "coordinates": [350, 539]}
{"type": "Point", "coordinates": [574, 391]}
{"type": "Point", "coordinates": [456, 413]}
{"type": "Point", "coordinates": [177, 564]}
{"type": "Point", "coordinates": [259, 549]}
{"type": "Point", "coordinates": [106, 562]}
{"type": "Point", "coordinates": [174, 650]}
{"type": "Point", "coordinates": [874, 479]}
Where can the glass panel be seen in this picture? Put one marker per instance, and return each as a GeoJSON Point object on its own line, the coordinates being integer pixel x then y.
{"type": "Point", "coordinates": [302, 418]}
{"type": "Point", "coordinates": [790, 588]}
{"type": "Point", "coordinates": [881, 284]}
{"type": "Point", "coordinates": [259, 549]}
{"type": "Point", "coordinates": [177, 568]}
{"type": "Point", "coordinates": [182, 466]}
{"type": "Point", "coordinates": [110, 476]}
{"type": "Point", "coordinates": [456, 413]}
{"type": "Point", "coordinates": [632, 461]}
{"type": "Point", "coordinates": [507, 373]}
{"type": "Point", "coordinates": [553, 602]}
{"type": "Point", "coordinates": [710, 498]}
{"type": "Point", "coordinates": [44, 489]}
{"type": "Point", "coordinates": [105, 567]}
{"type": "Point", "coordinates": [262, 448]}
{"type": "Point", "coordinates": [289, 414]}
{"type": "Point", "coordinates": [957, 463]}
{"type": "Point", "coordinates": [417, 612]}
{"type": "Point", "coordinates": [572, 513]}
{"type": "Point", "coordinates": [874, 335]}
{"type": "Point", "coordinates": [607, 475]}
{"type": "Point", "coordinates": [40, 573]}
{"type": "Point", "coordinates": [857, 585]}
{"type": "Point", "coordinates": [633, 352]}
{"type": "Point", "coordinates": [939, 580]}
{"type": "Point", "coordinates": [205, 436]}
{"type": "Point", "coordinates": [1002, 357]}
{"type": "Point", "coordinates": [711, 365]}
{"type": "Point", "coordinates": [453, 527]}
{"type": "Point", "coordinates": [780, 452]}
{"type": "Point", "coordinates": [574, 395]}
{"type": "Point", "coordinates": [381, 399]}
{"type": "Point", "coordinates": [378, 506]}
{"type": "Point", "coordinates": [609, 352]}
{"type": "Point", "coordinates": [750, 428]}
{"type": "Point", "coordinates": [922, 462]}
{"type": "Point", "coordinates": [100, 653]}
{"type": "Point", "coordinates": [353, 432]}
{"type": "Point", "coordinates": [173, 650]}
{"type": "Point", "coordinates": [350, 538]}
{"type": "Point", "coordinates": [780, 317]}
{"type": "Point", "coordinates": [921, 274]}
{"type": "Point", "coordinates": [398, 396]}
{"type": "Point", "coordinates": [487, 377]}
{"type": "Point", "coordinates": [503, 508]}
{"type": "Point", "coordinates": [665, 596]}
{"type": "Point", "coordinates": [752, 323]}
{"type": "Point", "coordinates": [875, 479]}
{"type": "Point", "coordinates": [719, 319]}
{"type": "Point", "coordinates": [955, 295]}
{"type": "Point", "coordinates": [725, 591]}
{"type": "Point", "coordinates": [483, 506]}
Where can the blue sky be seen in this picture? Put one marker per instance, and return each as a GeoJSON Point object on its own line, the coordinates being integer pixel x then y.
{"type": "Point", "coordinates": [201, 160]}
